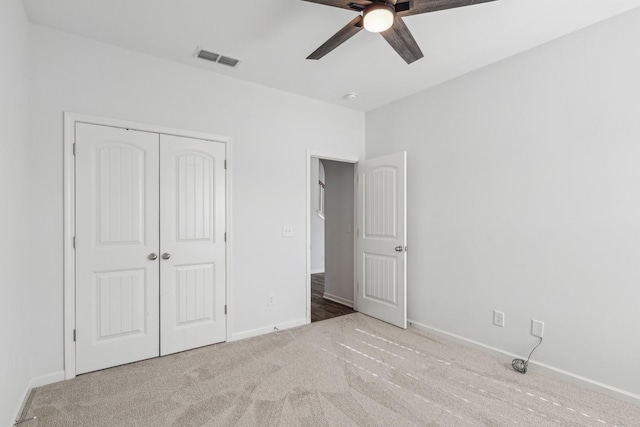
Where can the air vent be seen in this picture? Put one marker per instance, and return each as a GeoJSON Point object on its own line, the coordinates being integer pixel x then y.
{"type": "Point", "coordinates": [209, 56]}
{"type": "Point", "coordinates": [225, 60]}
{"type": "Point", "coordinates": [217, 58]}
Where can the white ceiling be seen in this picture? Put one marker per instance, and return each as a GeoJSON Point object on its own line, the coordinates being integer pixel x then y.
{"type": "Point", "coordinates": [272, 38]}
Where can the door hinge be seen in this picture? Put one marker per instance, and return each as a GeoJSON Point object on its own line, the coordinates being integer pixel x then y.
{"type": "Point", "coordinates": [74, 335]}
{"type": "Point", "coordinates": [225, 164]}
{"type": "Point", "coordinates": [225, 236]}
{"type": "Point", "coordinates": [225, 309]}
{"type": "Point", "coordinates": [74, 148]}
{"type": "Point", "coordinates": [74, 242]}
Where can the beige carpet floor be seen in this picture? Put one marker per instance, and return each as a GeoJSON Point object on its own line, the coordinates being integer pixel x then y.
{"type": "Point", "coordinates": [352, 370]}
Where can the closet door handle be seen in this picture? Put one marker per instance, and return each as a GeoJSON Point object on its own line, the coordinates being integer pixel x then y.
{"type": "Point", "coordinates": [152, 257]}
{"type": "Point", "coordinates": [166, 255]}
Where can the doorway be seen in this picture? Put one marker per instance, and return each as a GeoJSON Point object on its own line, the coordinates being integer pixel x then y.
{"type": "Point", "coordinates": [331, 210]}
{"type": "Point", "coordinates": [378, 235]}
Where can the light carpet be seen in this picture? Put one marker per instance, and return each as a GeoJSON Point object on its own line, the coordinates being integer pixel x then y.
{"type": "Point", "coordinates": [351, 370]}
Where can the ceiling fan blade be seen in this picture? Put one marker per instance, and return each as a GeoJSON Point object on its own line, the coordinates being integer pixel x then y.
{"type": "Point", "coordinates": [415, 7]}
{"type": "Point", "coordinates": [348, 31]}
{"type": "Point", "coordinates": [400, 38]}
{"type": "Point", "coordinates": [344, 4]}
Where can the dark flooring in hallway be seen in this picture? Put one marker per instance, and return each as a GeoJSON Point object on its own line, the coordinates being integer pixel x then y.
{"type": "Point", "coordinates": [323, 309]}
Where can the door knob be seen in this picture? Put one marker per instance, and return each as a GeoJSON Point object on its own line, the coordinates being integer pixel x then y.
{"type": "Point", "coordinates": [152, 256]}
{"type": "Point", "coordinates": [398, 248]}
{"type": "Point", "coordinates": [166, 255]}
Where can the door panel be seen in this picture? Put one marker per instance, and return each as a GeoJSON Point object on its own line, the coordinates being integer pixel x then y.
{"type": "Point", "coordinates": [381, 240]}
{"type": "Point", "coordinates": [116, 230]}
{"type": "Point", "coordinates": [121, 305]}
{"type": "Point", "coordinates": [380, 273]}
{"type": "Point", "coordinates": [194, 291]}
{"type": "Point", "coordinates": [192, 201]}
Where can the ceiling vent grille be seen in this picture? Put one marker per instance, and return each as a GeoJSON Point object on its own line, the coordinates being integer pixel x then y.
{"type": "Point", "coordinates": [225, 60]}
{"type": "Point", "coordinates": [209, 56]}
{"type": "Point", "coordinates": [217, 58]}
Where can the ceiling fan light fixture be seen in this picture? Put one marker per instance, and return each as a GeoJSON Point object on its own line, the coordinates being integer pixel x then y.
{"type": "Point", "coordinates": [378, 18]}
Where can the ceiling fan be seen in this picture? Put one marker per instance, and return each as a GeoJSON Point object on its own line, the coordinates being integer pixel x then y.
{"type": "Point", "coordinates": [385, 17]}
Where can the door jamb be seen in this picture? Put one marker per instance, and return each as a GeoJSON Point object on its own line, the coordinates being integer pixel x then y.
{"type": "Point", "coordinates": [69, 262]}
{"type": "Point", "coordinates": [322, 156]}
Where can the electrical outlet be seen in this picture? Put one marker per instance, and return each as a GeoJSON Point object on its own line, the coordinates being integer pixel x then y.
{"type": "Point", "coordinates": [537, 328]}
{"type": "Point", "coordinates": [287, 231]}
{"type": "Point", "coordinates": [498, 318]}
{"type": "Point", "coordinates": [271, 299]}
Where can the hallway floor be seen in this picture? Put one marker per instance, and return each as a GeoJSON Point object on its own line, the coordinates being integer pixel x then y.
{"type": "Point", "coordinates": [323, 309]}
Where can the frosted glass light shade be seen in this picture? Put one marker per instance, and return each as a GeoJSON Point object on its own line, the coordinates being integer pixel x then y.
{"type": "Point", "coordinates": [378, 18]}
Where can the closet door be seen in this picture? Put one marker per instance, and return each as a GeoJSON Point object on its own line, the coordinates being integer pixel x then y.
{"type": "Point", "coordinates": [192, 242]}
{"type": "Point", "coordinates": [117, 262]}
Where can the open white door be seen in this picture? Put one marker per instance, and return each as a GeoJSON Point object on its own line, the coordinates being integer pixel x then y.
{"type": "Point", "coordinates": [116, 246]}
{"type": "Point", "coordinates": [381, 289]}
{"type": "Point", "coordinates": [192, 242]}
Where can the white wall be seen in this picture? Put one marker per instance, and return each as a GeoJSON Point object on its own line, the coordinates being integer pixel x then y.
{"type": "Point", "coordinates": [524, 196]}
{"type": "Point", "coordinates": [15, 309]}
{"type": "Point", "coordinates": [316, 223]}
{"type": "Point", "coordinates": [339, 211]}
{"type": "Point", "coordinates": [271, 131]}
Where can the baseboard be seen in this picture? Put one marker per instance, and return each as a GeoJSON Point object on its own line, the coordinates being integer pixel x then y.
{"type": "Point", "coordinates": [337, 299]}
{"type": "Point", "coordinates": [37, 382]}
{"type": "Point", "coordinates": [570, 377]}
{"type": "Point", "coordinates": [319, 271]}
{"type": "Point", "coordinates": [267, 329]}
{"type": "Point", "coordinates": [51, 378]}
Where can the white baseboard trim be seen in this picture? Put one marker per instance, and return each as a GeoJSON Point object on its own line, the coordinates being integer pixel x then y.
{"type": "Point", "coordinates": [317, 271]}
{"type": "Point", "coordinates": [570, 377]}
{"type": "Point", "coordinates": [51, 378]}
{"type": "Point", "coordinates": [267, 329]}
{"type": "Point", "coordinates": [337, 299]}
{"type": "Point", "coordinates": [22, 403]}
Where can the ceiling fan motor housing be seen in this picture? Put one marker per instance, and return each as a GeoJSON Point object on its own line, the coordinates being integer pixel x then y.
{"type": "Point", "coordinates": [378, 17]}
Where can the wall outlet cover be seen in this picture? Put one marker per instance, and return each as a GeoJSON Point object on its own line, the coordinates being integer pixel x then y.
{"type": "Point", "coordinates": [537, 328]}
{"type": "Point", "coordinates": [498, 318]}
{"type": "Point", "coordinates": [287, 231]}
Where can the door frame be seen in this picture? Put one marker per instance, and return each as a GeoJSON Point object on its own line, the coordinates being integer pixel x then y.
{"type": "Point", "coordinates": [345, 158]}
{"type": "Point", "coordinates": [69, 179]}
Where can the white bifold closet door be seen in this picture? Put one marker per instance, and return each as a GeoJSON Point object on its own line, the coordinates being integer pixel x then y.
{"type": "Point", "coordinates": [117, 223]}
{"type": "Point", "coordinates": [192, 227]}
{"type": "Point", "coordinates": [150, 251]}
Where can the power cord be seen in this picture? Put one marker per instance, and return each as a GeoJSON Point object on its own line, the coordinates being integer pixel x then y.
{"type": "Point", "coordinates": [521, 365]}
